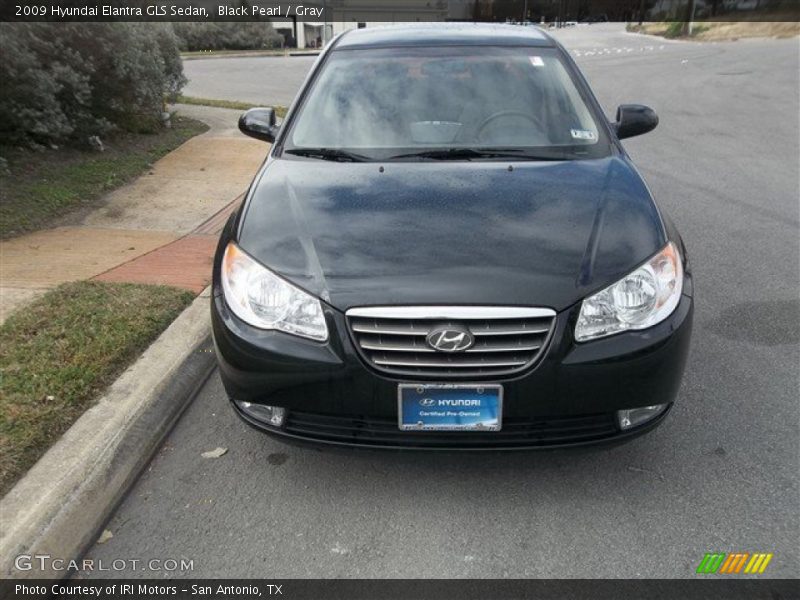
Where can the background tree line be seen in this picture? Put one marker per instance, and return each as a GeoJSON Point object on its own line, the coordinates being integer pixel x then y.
{"type": "Point", "coordinates": [194, 36]}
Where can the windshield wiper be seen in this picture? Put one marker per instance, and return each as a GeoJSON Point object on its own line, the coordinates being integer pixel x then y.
{"type": "Point", "coordinates": [328, 154]}
{"type": "Point", "coordinates": [470, 153]}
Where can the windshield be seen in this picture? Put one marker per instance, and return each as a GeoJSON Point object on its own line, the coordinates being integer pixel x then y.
{"type": "Point", "coordinates": [482, 102]}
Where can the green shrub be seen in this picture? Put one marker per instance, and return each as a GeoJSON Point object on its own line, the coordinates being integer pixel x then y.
{"type": "Point", "coordinates": [69, 81]}
{"type": "Point", "coordinates": [675, 29]}
{"type": "Point", "coordinates": [226, 36]}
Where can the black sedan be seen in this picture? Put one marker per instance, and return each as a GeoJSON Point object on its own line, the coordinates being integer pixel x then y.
{"type": "Point", "coordinates": [448, 248]}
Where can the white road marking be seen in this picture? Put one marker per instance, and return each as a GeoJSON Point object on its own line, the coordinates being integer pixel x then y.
{"type": "Point", "coordinates": [607, 51]}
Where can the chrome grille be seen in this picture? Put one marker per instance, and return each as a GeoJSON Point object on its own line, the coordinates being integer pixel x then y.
{"type": "Point", "coordinates": [507, 339]}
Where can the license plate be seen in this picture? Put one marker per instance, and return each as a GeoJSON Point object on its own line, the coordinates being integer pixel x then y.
{"type": "Point", "coordinates": [449, 407]}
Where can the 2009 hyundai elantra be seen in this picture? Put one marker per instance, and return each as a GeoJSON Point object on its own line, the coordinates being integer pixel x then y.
{"type": "Point", "coordinates": [448, 247]}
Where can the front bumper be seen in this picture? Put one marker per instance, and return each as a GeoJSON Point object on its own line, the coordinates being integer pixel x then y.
{"type": "Point", "coordinates": [570, 397]}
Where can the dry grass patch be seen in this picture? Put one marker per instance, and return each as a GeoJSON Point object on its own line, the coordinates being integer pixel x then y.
{"type": "Point", "coordinates": [717, 31]}
{"type": "Point", "coordinates": [720, 31]}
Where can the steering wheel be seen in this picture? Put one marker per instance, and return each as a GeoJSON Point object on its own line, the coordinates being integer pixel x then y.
{"type": "Point", "coordinates": [503, 114]}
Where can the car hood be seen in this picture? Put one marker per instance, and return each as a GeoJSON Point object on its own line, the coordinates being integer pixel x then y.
{"type": "Point", "coordinates": [532, 233]}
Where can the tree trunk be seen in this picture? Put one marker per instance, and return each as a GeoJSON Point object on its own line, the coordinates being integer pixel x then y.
{"type": "Point", "coordinates": [687, 24]}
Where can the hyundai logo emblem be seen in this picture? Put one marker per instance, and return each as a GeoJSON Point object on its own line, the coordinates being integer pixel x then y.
{"type": "Point", "coordinates": [427, 402]}
{"type": "Point", "coordinates": [450, 339]}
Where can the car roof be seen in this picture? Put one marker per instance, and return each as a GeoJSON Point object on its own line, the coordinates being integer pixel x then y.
{"type": "Point", "coordinates": [444, 34]}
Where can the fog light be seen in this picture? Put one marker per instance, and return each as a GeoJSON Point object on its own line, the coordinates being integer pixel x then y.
{"type": "Point", "coordinates": [633, 417]}
{"type": "Point", "coordinates": [271, 415]}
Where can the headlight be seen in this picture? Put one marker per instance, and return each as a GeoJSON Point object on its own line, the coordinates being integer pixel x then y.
{"type": "Point", "coordinates": [264, 300]}
{"type": "Point", "coordinates": [637, 301]}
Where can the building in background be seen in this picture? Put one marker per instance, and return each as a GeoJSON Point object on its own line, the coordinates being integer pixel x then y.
{"type": "Point", "coordinates": [341, 15]}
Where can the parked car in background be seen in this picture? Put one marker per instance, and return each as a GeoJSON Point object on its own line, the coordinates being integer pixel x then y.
{"type": "Point", "coordinates": [602, 18]}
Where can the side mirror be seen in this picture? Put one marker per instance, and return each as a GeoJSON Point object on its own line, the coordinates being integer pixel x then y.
{"type": "Point", "coordinates": [259, 123]}
{"type": "Point", "coordinates": [634, 119]}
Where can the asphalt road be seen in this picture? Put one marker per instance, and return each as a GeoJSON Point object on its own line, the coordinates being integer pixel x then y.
{"type": "Point", "coordinates": [269, 80]}
{"type": "Point", "coordinates": [720, 475]}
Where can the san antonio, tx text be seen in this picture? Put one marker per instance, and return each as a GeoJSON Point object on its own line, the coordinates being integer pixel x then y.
{"type": "Point", "coordinates": [165, 10]}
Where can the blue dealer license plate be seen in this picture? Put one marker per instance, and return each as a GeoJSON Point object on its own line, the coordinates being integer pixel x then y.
{"type": "Point", "coordinates": [449, 407]}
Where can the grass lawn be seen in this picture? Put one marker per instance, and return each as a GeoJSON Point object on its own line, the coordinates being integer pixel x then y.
{"type": "Point", "coordinates": [58, 354]}
{"type": "Point", "coordinates": [45, 185]}
{"type": "Point", "coordinates": [781, 27]}
{"type": "Point", "coordinates": [280, 111]}
{"type": "Point", "coordinates": [193, 54]}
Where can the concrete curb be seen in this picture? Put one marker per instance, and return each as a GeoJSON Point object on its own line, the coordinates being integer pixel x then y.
{"type": "Point", "coordinates": [251, 54]}
{"type": "Point", "coordinates": [61, 504]}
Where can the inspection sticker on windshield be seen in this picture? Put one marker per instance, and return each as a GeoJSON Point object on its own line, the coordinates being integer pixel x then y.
{"type": "Point", "coordinates": [583, 134]}
{"type": "Point", "coordinates": [536, 61]}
